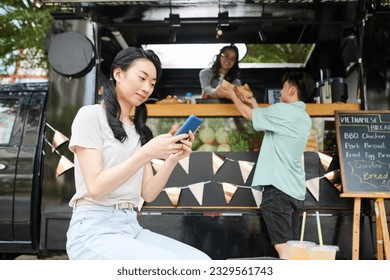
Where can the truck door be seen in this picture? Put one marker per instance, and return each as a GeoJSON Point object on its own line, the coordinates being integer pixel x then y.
{"type": "Point", "coordinates": [12, 118]}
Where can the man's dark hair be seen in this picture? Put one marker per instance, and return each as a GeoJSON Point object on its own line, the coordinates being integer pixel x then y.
{"type": "Point", "coordinates": [303, 81]}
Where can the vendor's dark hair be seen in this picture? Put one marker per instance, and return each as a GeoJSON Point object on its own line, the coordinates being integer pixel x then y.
{"type": "Point", "coordinates": [303, 81]}
{"type": "Point", "coordinates": [234, 72]}
{"type": "Point", "coordinates": [123, 60]}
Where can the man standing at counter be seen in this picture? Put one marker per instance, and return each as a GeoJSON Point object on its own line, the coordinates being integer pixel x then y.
{"type": "Point", "coordinates": [279, 170]}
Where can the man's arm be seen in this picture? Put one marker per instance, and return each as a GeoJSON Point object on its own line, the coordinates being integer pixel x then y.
{"type": "Point", "coordinates": [244, 105]}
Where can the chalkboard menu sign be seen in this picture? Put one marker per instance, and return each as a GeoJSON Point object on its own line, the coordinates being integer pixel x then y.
{"type": "Point", "coordinates": [363, 139]}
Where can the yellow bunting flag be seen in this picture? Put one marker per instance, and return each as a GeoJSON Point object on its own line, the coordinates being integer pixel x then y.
{"type": "Point", "coordinates": [229, 190]}
{"type": "Point", "coordinates": [173, 194]}
{"type": "Point", "coordinates": [245, 168]}
{"type": "Point", "coordinates": [197, 191]}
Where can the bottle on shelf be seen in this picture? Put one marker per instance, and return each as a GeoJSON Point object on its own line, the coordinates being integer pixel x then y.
{"type": "Point", "coordinates": [188, 98]}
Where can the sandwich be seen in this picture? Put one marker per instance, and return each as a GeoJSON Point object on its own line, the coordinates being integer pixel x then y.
{"type": "Point", "coordinates": [239, 90]}
{"type": "Point", "coordinates": [243, 90]}
{"type": "Point", "coordinates": [227, 85]}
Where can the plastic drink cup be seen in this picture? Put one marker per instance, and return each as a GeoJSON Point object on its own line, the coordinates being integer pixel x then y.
{"type": "Point", "coordinates": [324, 252]}
{"type": "Point", "coordinates": [299, 250]}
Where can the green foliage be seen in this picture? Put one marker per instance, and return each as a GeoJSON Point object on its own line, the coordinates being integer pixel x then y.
{"type": "Point", "coordinates": [246, 140]}
{"type": "Point", "coordinates": [197, 143]}
{"type": "Point", "coordinates": [241, 139]}
{"type": "Point", "coordinates": [214, 123]}
{"type": "Point", "coordinates": [277, 53]}
{"type": "Point", "coordinates": [165, 124]}
{"type": "Point", "coordinates": [23, 26]}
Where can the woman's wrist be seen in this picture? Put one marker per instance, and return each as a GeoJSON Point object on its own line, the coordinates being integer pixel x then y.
{"type": "Point", "coordinates": [171, 161]}
{"type": "Point", "coordinates": [145, 153]}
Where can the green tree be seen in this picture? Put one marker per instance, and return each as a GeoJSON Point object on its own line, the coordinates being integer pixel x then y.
{"type": "Point", "coordinates": [277, 53]}
{"type": "Point", "coordinates": [23, 26]}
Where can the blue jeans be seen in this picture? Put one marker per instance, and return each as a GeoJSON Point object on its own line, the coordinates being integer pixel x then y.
{"type": "Point", "coordinates": [278, 210]}
{"type": "Point", "coordinates": [99, 232]}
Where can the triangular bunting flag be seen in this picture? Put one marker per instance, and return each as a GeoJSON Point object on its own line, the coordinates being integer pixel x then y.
{"type": "Point", "coordinates": [185, 163]}
{"type": "Point", "coordinates": [140, 204]}
{"type": "Point", "coordinates": [313, 185]}
{"type": "Point", "coordinates": [197, 191]}
{"type": "Point", "coordinates": [173, 194]}
{"type": "Point", "coordinates": [218, 161]}
{"type": "Point", "coordinates": [246, 168]}
{"type": "Point", "coordinates": [58, 140]}
{"type": "Point", "coordinates": [228, 190]}
{"type": "Point", "coordinates": [258, 196]}
{"type": "Point", "coordinates": [335, 178]}
{"type": "Point", "coordinates": [325, 160]}
{"type": "Point", "coordinates": [157, 163]}
{"type": "Point", "coordinates": [63, 165]}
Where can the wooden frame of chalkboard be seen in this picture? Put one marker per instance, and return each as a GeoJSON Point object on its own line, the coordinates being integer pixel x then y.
{"type": "Point", "coordinates": [363, 141]}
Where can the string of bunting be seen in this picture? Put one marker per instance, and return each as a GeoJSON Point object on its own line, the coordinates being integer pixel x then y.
{"type": "Point", "coordinates": [59, 140]}
{"type": "Point", "coordinates": [245, 166]}
{"type": "Point", "coordinates": [64, 163]}
{"type": "Point", "coordinates": [218, 160]}
{"type": "Point", "coordinates": [197, 189]}
{"type": "Point", "coordinates": [334, 177]}
{"type": "Point", "coordinates": [313, 185]}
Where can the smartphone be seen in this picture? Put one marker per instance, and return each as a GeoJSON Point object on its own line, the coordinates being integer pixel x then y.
{"type": "Point", "coordinates": [192, 123]}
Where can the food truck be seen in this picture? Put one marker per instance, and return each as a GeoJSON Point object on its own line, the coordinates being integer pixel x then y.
{"type": "Point", "coordinates": [208, 201]}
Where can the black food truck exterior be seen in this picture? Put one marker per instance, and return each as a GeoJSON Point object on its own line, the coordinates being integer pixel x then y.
{"type": "Point", "coordinates": [213, 209]}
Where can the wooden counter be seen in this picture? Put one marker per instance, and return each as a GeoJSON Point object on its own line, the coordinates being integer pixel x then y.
{"type": "Point", "coordinates": [229, 110]}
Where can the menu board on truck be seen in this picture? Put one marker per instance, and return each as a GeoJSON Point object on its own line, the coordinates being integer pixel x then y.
{"type": "Point", "coordinates": [363, 139]}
